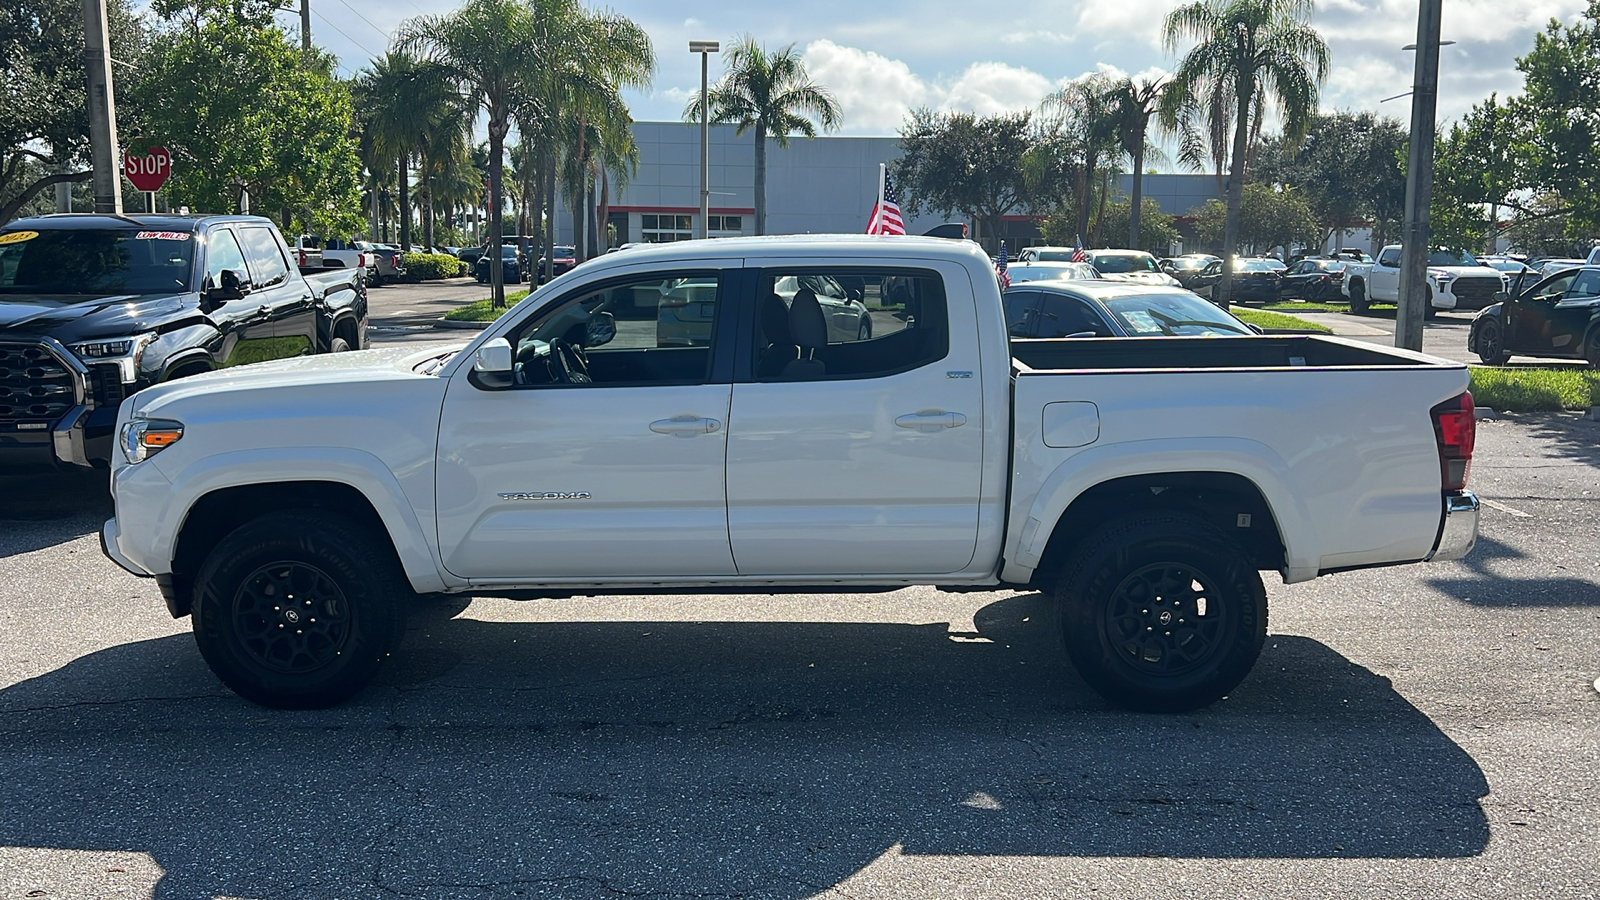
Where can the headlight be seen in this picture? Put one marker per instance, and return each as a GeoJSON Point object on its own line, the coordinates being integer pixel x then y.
{"type": "Point", "coordinates": [126, 352]}
{"type": "Point", "coordinates": [144, 438]}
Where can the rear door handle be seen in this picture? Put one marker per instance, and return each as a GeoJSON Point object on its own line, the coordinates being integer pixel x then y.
{"type": "Point", "coordinates": [685, 426]}
{"type": "Point", "coordinates": [930, 420]}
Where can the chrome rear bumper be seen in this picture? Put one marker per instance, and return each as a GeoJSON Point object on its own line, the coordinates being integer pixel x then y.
{"type": "Point", "coordinates": [1459, 532]}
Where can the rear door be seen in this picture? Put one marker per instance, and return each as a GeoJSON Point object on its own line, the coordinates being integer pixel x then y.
{"type": "Point", "coordinates": [869, 463]}
{"type": "Point", "coordinates": [246, 323]}
{"type": "Point", "coordinates": [1383, 281]}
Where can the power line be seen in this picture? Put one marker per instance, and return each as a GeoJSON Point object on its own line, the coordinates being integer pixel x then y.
{"type": "Point", "coordinates": [365, 19]}
{"type": "Point", "coordinates": [343, 32]}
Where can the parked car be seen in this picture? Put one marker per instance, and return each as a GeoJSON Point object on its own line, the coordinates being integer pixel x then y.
{"type": "Point", "coordinates": [511, 266]}
{"type": "Point", "coordinates": [1079, 309]}
{"type": "Point", "coordinates": [1313, 278]}
{"type": "Point", "coordinates": [1144, 483]}
{"type": "Point", "coordinates": [1351, 253]}
{"type": "Point", "coordinates": [1035, 271]}
{"type": "Point", "coordinates": [565, 257]}
{"type": "Point", "coordinates": [1456, 280]}
{"type": "Point", "coordinates": [307, 251]}
{"type": "Point", "coordinates": [1548, 267]}
{"type": "Point", "coordinates": [1193, 271]}
{"type": "Point", "coordinates": [388, 262]}
{"type": "Point", "coordinates": [1049, 254]}
{"type": "Point", "coordinates": [685, 311]}
{"type": "Point", "coordinates": [350, 253]}
{"type": "Point", "coordinates": [96, 308]}
{"type": "Point", "coordinates": [1558, 317]}
{"type": "Point", "coordinates": [1519, 275]}
{"type": "Point", "coordinates": [1136, 266]}
{"type": "Point", "coordinates": [1255, 280]}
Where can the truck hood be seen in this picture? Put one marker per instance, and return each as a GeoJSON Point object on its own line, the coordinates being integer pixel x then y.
{"type": "Point", "coordinates": [70, 318]}
{"type": "Point", "coordinates": [1158, 279]}
{"type": "Point", "coordinates": [348, 370]}
{"type": "Point", "coordinates": [1470, 271]}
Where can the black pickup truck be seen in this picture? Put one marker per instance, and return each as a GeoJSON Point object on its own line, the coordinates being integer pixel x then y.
{"type": "Point", "coordinates": [96, 307]}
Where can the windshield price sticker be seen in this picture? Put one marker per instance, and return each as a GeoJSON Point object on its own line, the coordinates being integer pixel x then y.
{"type": "Point", "coordinates": [17, 237]}
{"type": "Point", "coordinates": [162, 236]}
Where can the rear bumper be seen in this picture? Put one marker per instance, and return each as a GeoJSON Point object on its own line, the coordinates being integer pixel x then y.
{"type": "Point", "coordinates": [1459, 530]}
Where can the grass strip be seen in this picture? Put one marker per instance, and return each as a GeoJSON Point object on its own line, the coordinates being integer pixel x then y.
{"type": "Point", "coordinates": [1292, 306]}
{"type": "Point", "coordinates": [1535, 390]}
{"type": "Point", "coordinates": [1271, 320]}
{"type": "Point", "coordinates": [480, 310]}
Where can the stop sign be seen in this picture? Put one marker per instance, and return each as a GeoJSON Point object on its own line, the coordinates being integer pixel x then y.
{"type": "Point", "coordinates": [148, 172]}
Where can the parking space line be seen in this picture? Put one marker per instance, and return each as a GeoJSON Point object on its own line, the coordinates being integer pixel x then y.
{"type": "Point", "coordinates": [1505, 509]}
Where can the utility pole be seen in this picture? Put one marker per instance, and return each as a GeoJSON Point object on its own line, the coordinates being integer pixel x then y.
{"type": "Point", "coordinates": [63, 191]}
{"type": "Point", "coordinates": [1414, 292]}
{"type": "Point", "coordinates": [305, 25]}
{"type": "Point", "coordinates": [102, 109]}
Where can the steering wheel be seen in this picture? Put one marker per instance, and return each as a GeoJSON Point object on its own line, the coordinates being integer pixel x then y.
{"type": "Point", "coordinates": [569, 364]}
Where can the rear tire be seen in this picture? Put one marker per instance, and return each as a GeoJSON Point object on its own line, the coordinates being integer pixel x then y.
{"type": "Point", "coordinates": [1162, 612]}
{"type": "Point", "coordinates": [297, 609]}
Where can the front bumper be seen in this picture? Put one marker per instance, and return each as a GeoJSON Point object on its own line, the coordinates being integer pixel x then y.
{"type": "Point", "coordinates": [108, 545]}
{"type": "Point", "coordinates": [1459, 530]}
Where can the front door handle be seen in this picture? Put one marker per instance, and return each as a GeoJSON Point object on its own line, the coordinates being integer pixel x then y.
{"type": "Point", "coordinates": [930, 420]}
{"type": "Point", "coordinates": [685, 426]}
{"type": "Point", "coordinates": [265, 311]}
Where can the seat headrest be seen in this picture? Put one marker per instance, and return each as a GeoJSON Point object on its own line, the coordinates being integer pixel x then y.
{"type": "Point", "coordinates": [807, 325]}
{"type": "Point", "coordinates": [775, 320]}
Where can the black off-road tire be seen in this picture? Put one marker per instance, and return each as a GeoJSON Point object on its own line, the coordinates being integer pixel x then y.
{"type": "Point", "coordinates": [1137, 629]}
{"type": "Point", "coordinates": [297, 609]}
{"type": "Point", "coordinates": [1358, 297]}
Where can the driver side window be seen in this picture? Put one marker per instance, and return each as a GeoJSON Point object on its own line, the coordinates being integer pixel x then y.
{"type": "Point", "coordinates": [636, 331]}
{"type": "Point", "coordinates": [1551, 291]}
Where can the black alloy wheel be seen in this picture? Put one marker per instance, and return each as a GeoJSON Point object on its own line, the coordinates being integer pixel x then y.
{"type": "Point", "coordinates": [1491, 344]}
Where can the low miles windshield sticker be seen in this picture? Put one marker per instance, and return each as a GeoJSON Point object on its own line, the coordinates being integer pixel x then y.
{"type": "Point", "coordinates": [17, 237]}
{"type": "Point", "coordinates": [162, 236]}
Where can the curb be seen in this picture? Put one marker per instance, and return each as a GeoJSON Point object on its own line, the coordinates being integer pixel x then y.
{"type": "Point", "coordinates": [461, 326]}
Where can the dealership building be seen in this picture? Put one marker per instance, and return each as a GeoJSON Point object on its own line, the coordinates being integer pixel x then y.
{"type": "Point", "coordinates": [825, 185]}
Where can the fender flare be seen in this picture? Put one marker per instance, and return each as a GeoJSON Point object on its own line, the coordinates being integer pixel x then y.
{"type": "Point", "coordinates": [185, 357]}
{"type": "Point", "coordinates": [357, 469]}
{"type": "Point", "coordinates": [1251, 460]}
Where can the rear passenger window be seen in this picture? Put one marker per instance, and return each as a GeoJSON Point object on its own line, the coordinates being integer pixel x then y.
{"type": "Point", "coordinates": [1586, 287]}
{"type": "Point", "coordinates": [267, 264]}
{"type": "Point", "coordinates": [815, 325]}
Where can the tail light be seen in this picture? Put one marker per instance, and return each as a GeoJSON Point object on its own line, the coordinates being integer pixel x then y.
{"type": "Point", "coordinates": [302, 257]}
{"type": "Point", "coordinates": [361, 260]}
{"type": "Point", "coordinates": [1455, 424]}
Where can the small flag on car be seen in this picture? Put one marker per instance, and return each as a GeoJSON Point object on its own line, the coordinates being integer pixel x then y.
{"type": "Point", "coordinates": [1077, 253]}
{"type": "Point", "coordinates": [1000, 268]}
{"type": "Point", "coordinates": [885, 217]}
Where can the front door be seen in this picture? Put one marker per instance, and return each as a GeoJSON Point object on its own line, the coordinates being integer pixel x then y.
{"type": "Point", "coordinates": [862, 457]}
{"type": "Point", "coordinates": [1530, 321]}
{"type": "Point", "coordinates": [605, 457]}
{"type": "Point", "coordinates": [283, 297]}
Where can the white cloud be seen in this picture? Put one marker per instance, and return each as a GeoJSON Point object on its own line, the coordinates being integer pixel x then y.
{"type": "Point", "coordinates": [874, 92]}
{"type": "Point", "coordinates": [1128, 20]}
{"type": "Point", "coordinates": [990, 88]}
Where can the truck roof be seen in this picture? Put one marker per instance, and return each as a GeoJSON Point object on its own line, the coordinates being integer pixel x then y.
{"type": "Point", "coordinates": [92, 221]}
{"type": "Point", "coordinates": [770, 246]}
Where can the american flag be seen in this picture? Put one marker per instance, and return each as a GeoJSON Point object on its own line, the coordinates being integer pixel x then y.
{"type": "Point", "coordinates": [1000, 268]}
{"type": "Point", "coordinates": [886, 212]}
{"type": "Point", "coordinates": [1077, 253]}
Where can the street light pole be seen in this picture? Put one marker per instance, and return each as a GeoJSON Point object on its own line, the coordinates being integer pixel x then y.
{"type": "Point", "coordinates": [102, 109]}
{"type": "Point", "coordinates": [1419, 180]}
{"type": "Point", "coordinates": [705, 49]}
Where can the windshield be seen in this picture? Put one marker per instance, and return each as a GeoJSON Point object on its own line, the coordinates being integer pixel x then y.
{"type": "Point", "coordinates": [564, 252]}
{"type": "Point", "coordinates": [1053, 255]}
{"type": "Point", "coordinates": [1257, 265]}
{"type": "Point", "coordinates": [1117, 264]}
{"type": "Point", "coordinates": [1172, 315]}
{"type": "Point", "coordinates": [96, 261]}
{"type": "Point", "coordinates": [1187, 262]}
{"type": "Point", "coordinates": [1451, 258]}
{"type": "Point", "coordinates": [1040, 272]}
{"type": "Point", "coordinates": [1328, 265]}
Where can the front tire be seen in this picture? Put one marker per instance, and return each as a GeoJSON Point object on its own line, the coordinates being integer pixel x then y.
{"type": "Point", "coordinates": [1358, 297]}
{"type": "Point", "coordinates": [864, 333]}
{"type": "Point", "coordinates": [1162, 612]}
{"type": "Point", "coordinates": [1591, 349]}
{"type": "Point", "coordinates": [1491, 344]}
{"type": "Point", "coordinates": [297, 609]}
{"type": "Point", "coordinates": [338, 345]}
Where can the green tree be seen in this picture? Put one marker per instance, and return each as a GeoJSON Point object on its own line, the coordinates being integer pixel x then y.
{"type": "Point", "coordinates": [1157, 230]}
{"type": "Point", "coordinates": [411, 111]}
{"type": "Point", "coordinates": [1268, 218]}
{"type": "Point", "coordinates": [244, 110]}
{"type": "Point", "coordinates": [1559, 118]}
{"type": "Point", "coordinates": [1257, 53]}
{"type": "Point", "coordinates": [1346, 168]}
{"type": "Point", "coordinates": [44, 125]}
{"type": "Point", "coordinates": [1082, 124]}
{"type": "Point", "coordinates": [1137, 101]}
{"type": "Point", "coordinates": [770, 93]}
{"type": "Point", "coordinates": [960, 162]}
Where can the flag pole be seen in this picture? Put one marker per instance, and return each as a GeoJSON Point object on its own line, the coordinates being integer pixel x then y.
{"type": "Point", "coordinates": [877, 215]}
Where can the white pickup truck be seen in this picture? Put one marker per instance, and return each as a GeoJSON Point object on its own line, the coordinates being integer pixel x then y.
{"type": "Point", "coordinates": [1456, 280]}
{"type": "Point", "coordinates": [668, 420]}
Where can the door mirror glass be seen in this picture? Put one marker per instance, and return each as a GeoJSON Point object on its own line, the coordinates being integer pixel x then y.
{"type": "Point", "coordinates": [600, 329]}
{"type": "Point", "coordinates": [492, 364]}
{"type": "Point", "coordinates": [1500, 297]}
{"type": "Point", "coordinates": [228, 287]}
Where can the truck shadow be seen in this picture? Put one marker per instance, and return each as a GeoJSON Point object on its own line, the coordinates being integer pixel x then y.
{"type": "Point", "coordinates": [768, 759]}
{"type": "Point", "coordinates": [56, 507]}
{"type": "Point", "coordinates": [1487, 587]}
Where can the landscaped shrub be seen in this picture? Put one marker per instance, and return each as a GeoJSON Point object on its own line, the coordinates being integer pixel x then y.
{"type": "Point", "coordinates": [432, 266]}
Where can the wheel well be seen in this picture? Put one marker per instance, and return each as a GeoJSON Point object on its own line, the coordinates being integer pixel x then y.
{"type": "Point", "coordinates": [184, 370]}
{"type": "Point", "coordinates": [346, 328]}
{"type": "Point", "coordinates": [219, 513]}
{"type": "Point", "coordinates": [1221, 498]}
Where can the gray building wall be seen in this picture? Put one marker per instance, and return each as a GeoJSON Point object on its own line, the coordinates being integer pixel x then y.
{"type": "Point", "coordinates": [825, 185]}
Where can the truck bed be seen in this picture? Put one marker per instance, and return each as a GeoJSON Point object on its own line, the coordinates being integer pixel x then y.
{"type": "Point", "coordinates": [1266, 352]}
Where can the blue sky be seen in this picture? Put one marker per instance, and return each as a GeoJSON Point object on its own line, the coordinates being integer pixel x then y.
{"type": "Point", "coordinates": [886, 57]}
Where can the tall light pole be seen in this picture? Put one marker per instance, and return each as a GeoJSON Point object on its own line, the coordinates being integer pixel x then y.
{"type": "Point", "coordinates": [705, 49]}
{"type": "Point", "coordinates": [1419, 180]}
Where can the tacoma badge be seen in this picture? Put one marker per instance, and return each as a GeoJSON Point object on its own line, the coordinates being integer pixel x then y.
{"type": "Point", "coordinates": [546, 495]}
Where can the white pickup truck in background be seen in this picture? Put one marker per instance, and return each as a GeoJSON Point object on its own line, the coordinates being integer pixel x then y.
{"type": "Point", "coordinates": [579, 445]}
{"type": "Point", "coordinates": [1456, 280]}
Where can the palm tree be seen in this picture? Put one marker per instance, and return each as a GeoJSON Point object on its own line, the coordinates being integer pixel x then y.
{"type": "Point", "coordinates": [410, 109]}
{"type": "Point", "coordinates": [1085, 115]}
{"type": "Point", "coordinates": [1137, 101]}
{"type": "Point", "coordinates": [771, 93]}
{"type": "Point", "coordinates": [1252, 52]}
{"type": "Point", "coordinates": [493, 51]}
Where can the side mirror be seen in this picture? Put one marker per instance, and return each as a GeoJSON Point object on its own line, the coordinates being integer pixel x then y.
{"type": "Point", "coordinates": [1256, 328]}
{"type": "Point", "coordinates": [1500, 297]}
{"type": "Point", "coordinates": [229, 288]}
{"type": "Point", "coordinates": [492, 364]}
{"type": "Point", "coordinates": [601, 329]}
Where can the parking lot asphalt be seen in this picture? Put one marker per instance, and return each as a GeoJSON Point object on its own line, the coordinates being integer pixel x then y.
{"type": "Point", "coordinates": [1417, 732]}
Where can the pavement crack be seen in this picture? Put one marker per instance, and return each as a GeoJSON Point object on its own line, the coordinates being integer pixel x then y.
{"type": "Point", "coordinates": [87, 704]}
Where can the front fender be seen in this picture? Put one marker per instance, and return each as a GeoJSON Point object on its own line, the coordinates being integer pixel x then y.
{"type": "Point", "coordinates": [1251, 460]}
{"type": "Point", "coordinates": [355, 468]}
